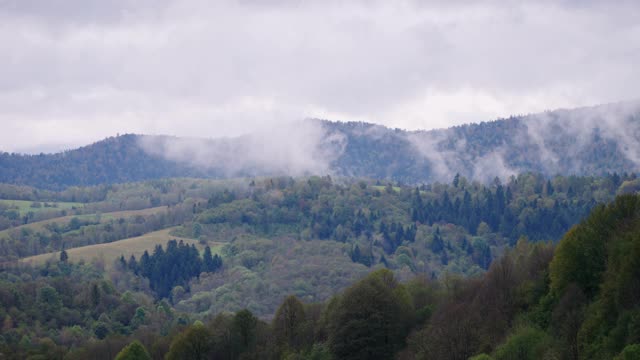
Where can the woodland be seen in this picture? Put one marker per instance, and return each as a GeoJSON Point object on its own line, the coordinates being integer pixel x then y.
{"type": "Point", "coordinates": [322, 268]}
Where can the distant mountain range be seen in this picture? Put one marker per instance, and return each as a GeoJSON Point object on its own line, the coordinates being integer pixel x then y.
{"type": "Point", "coordinates": [584, 141]}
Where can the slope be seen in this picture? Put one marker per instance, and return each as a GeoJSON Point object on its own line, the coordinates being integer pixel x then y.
{"type": "Point", "coordinates": [585, 141]}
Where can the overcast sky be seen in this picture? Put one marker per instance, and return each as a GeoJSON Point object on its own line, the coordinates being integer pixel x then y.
{"type": "Point", "coordinates": [75, 71]}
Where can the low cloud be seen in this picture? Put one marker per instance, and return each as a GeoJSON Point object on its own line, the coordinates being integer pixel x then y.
{"type": "Point", "coordinates": [289, 148]}
{"type": "Point", "coordinates": [76, 71]}
{"type": "Point", "coordinates": [562, 141]}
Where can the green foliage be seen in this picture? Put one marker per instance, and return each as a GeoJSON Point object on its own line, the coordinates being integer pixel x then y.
{"type": "Point", "coordinates": [481, 357]}
{"type": "Point", "coordinates": [284, 241]}
{"type": "Point", "coordinates": [370, 320]}
{"type": "Point", "coordinates": [244, 326]}
{"type": "Point", "coordinates": [134, 351]}
{"type": "Point", "coordinates": [600, 258]}
{"type": "Point", "coordinates": [630, 352]}
{"type": "Point", "coordinates": [580, 257]}
{"type": "Point", "coordinates": [288, 325]}
{"type": "Point", "coordinates": [318, 352]}
{"type": "Point", "coordinates": [629, 187]}
{"type": "Point", "coordinates": [49, 301]}
{"type": "Point", "coordinates": [525, 343]}
{"type": "Point", "coordinates": [194, 343]}
{"type": "Point", "coordinates": [173, 267]}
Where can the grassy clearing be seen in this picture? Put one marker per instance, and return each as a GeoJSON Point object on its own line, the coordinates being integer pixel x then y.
{"type": "Point", "coordinates": [24, 206]}
{"type": "Point", "coordinates": [382, 188]}
{"type": "Point", "coordinates": [110, 252]}
{"type": "Point", "coordinates": [39, 225]}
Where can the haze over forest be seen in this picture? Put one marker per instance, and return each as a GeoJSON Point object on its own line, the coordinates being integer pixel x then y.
{"type": "Point", "coordinates": [586, 141]}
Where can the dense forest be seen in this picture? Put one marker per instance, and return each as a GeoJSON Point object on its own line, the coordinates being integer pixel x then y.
{"type": "Point", "coordinates": [304, 268]}
{"type": "Point", "coordinates": [310, 237]}
{"type": "Point", "coordinates": [574, 300]}
{"type": "Point", "coordinates": [319, 180]}
{"type": "Point", "coordinates": [586, 141]}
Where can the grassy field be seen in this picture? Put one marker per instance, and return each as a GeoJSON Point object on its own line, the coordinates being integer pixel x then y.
{"type": "Point", "coordinates": [382, 188]}
{"type": "Point", "coordinates": [111, 251]}
{"type": "Point", "coordinates": [38, 225]}
{"type": "Point", "coordinates": [24, 206]}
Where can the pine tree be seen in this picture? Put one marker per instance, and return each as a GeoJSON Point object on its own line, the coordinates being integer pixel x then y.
{"type": "Point", "coordinates": [133, 264]}
{"type": "Point", "coordinates": [207, 259]}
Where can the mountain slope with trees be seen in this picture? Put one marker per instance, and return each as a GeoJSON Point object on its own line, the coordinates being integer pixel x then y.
{"type": "Point", "coordinates": [586, 141]}
{"type": "Point", "coordinates": [576, 300]}
{"type": "Point", "coordinates": [307, 236]}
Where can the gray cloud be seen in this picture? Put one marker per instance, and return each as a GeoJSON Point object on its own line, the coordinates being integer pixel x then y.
{"type": "Point", "coordinates": [75, 71]}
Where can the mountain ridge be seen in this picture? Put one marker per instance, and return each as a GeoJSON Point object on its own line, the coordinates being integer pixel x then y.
{"type": "Point", "coordinates": [583, 141]}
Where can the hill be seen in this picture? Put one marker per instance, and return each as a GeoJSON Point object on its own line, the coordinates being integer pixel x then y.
{"type": "Point", "coordinates": [576, 300]}
{"type": "Point", "coordinates": [108, 253]}
{"type": "Point", "coordinates": [308, 236]}
{"type": "Point", "coordinates": [113, 160]}
{"type": "Point", "coordinates": [586, 141]}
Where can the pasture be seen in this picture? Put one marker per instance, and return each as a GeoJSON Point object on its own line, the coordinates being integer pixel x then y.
{"type": "Point", "coordinates": [110, 252]}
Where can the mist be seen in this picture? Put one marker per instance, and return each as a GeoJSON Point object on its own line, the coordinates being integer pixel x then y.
{"type": "Point", "coordinates": [293, 148]}
{"type": "Point", "coordinates": [554, 142]}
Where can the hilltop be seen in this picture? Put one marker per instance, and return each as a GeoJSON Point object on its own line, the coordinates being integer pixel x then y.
{"type": "Point", "coordinates": [586, 141]}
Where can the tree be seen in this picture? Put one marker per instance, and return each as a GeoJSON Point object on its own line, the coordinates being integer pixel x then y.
{"type": "Point", "coordinates": [631, 352]}
{"type": "Point", "coordinates": [134, 351]}
{"type": "Point", "coordinates": [101, 330]}
{"type": "Point", "coordinates": [197, 230]}
{"type": "Point", "coordinates": [194, 343]}
{"type": "Point", "coordinates": [567, 318]}
{"type": "Point", "coordinates": [244, 326]}
{"type": "Point", "coordinates": [526, 344]}
{"type": "Point", "coordinates": [288, 324]}
{"type": "Point", "coordinates": [211, 263]}
{"type": "Point", "coordinates": [64, 256]}
{"type": "Point", "coordinates": [175, 266]}
{"type": "Point", "coordinates": [95, 295]}
{"type": "Point", "coordinates": [437, 244]}
{"type": "Point", "coordinates": [370, 320]}
{"type": "Point", "coordinates": [49, 301]}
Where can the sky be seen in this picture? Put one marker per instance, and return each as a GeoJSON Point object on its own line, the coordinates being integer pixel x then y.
{"type": "Point", "coordinates": [76, 71]}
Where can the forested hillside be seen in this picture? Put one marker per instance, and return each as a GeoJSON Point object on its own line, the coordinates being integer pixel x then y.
{"type": "Point", "coordinates": [114, 160]}
{"type": "Point", "coordinates": [586, 141]}
{"type": "Point", "coordinates": [576, 300]}
{"type": "Point", "coordinates": [250, 267]}
{"type": "Point", "coordinates": [305, 236]}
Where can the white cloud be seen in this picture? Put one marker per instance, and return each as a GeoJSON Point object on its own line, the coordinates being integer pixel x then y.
{"type": "Point", "coordinates": [75, 71]}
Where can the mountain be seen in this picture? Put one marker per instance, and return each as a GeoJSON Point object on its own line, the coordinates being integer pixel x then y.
{"type": "Point", "coordinates": [113, 160]}
{"type": "Point", "coordinates": [584, 141]}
